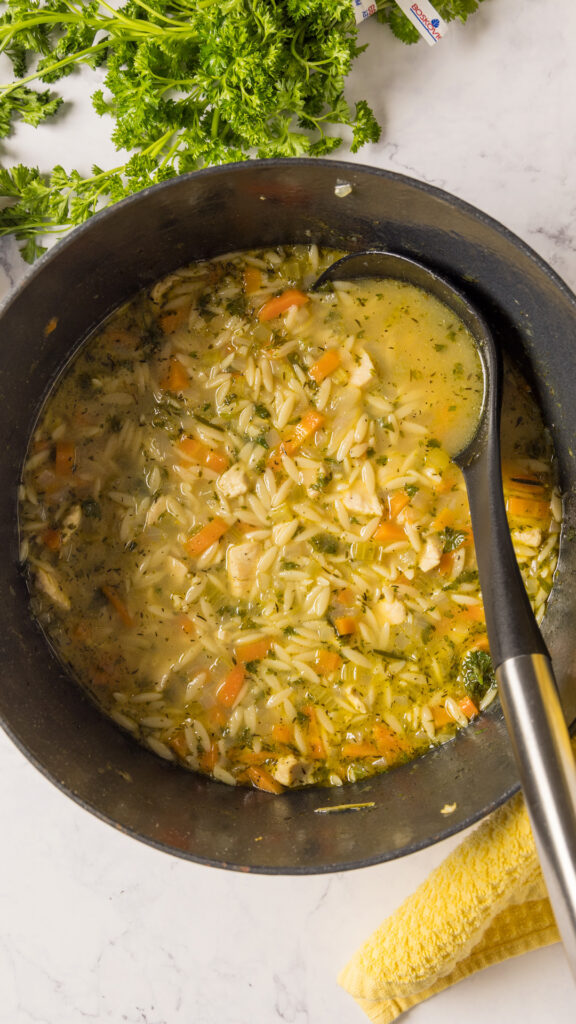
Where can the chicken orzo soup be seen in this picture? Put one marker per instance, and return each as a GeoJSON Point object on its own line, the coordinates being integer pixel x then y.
{"type": "Point", "coordinates": [243, 530]}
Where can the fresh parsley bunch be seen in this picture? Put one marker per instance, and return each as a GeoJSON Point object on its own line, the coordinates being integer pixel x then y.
{"type": "Point", "coordinates": [188, 83]}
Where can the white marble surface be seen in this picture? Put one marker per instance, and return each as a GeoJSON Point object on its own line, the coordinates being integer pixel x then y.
{"type": "Point", "coordinates": [97, 927]}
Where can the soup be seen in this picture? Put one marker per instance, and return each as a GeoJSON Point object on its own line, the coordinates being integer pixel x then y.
{"type": "Point", "coordinates": [244, 532]}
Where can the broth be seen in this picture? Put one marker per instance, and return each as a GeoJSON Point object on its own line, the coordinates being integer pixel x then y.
{"type": "Point", "coordinates": [244, 532]}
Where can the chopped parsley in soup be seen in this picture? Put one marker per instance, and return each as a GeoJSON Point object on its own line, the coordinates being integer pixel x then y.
{"type": "Point", "coordinates": [244, 532]}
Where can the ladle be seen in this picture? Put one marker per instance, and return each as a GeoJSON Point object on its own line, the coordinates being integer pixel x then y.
{"type": "Point", "coordinates": [526, 684]}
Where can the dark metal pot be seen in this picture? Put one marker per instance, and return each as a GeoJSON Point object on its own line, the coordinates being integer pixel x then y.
{"type": "Point", "coordinates": [104, 263]}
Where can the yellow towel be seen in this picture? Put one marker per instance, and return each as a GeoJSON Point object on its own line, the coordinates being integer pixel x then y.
{"type": "Point", "coordinates": [486, 902]}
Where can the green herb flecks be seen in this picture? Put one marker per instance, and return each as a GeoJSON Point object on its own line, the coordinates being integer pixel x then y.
{"type": "Point", "coordinates": [325, 543]}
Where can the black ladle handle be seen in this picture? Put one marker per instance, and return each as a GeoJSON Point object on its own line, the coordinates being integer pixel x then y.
{"type": "Point", "coordinates": [510, 622]}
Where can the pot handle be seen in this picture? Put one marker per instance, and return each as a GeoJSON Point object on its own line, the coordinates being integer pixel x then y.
{"type": "Point", "coordinates": [541, 744]}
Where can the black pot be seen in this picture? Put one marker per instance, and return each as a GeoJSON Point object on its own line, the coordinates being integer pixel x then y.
{"type": "Point", "coordinates": [74, 287]}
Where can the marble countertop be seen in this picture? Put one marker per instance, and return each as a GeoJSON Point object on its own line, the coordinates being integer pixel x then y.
{"type": "Point", "coordinates": [95, 926]}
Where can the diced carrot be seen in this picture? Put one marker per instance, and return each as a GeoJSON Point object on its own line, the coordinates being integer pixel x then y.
{"type": "Point", "coordinates": [229, 689]}
{"type": "Point", "coordinates": [254, 651]}
{"type": "Point", "coordinates": [397, 502]}
{"type": "Point", "coordinates": [315, 742]}
{"type": "Point", "coordinates": [64, 458]}
{"type": "Point", "coordinates": [360, 749]}
{"type": "Point", "coordinates": [283, 732]}
{"type": "Point", "coordinates": [178, 743]}
{"type": "Point", "coordinates": [280, 303]}
{"type": "Point", "coordinates": [388, 743]}
{"type": "Point", "coordinates": [205, 537]}
{"type": "Point", "coordinates": [275, 458]}
{"type": "Point", "coordinates": [203, 455]}
{"type": "Point", "coordinates": [308, 425]}
{"type": "Point", "coordinates": [52, 539]}
{"type": "Point", "coordinates": [345, 625]}
{"type": "Point", "coordinates": [324, 366]}
{"type": "Point", "coordinates": [209, 758]}
{"type": "Point", "coordinates": [177, 378]}
{"type": "Point", "coordinates": [527, 508]}
{"type": "Point", "coordinates": [171, 321]}
{"type": "Point", "coordinates": [328, 661]}
{"type": "Point", "coordinates": [118, 605]}
{"type": "Point", "coordinates": [347, 597]}
{"type": "Point", "coordinates": [521, 481]}
{"type": "Point", "coordinates": [388, 532]}
{"type": "Point", "coordinates": [440, 716]}
{"type": "Point", "coordinates": [468, 706]}
{"type": "Point", "coordinates": [445, 518]}
{"type": "Point", "coordinates": [244, 755]}
{"type": "Point", "coordinates": [480, 643]}
{"type": "Point", "coordinates": [261, 779]}
{"type": "Point", "coordinates": [450, 479]}
{"type": "Point", "coordinates": [252, 279]}
{"type": "Point", "coordinates": [446, 563]}
{"type": "Point", "coordinates": [473, 612]}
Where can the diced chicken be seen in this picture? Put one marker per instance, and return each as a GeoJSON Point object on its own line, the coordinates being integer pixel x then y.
{"type": "Point", "coordinates": [290, 771]}
{"type": "Point", "coordinates": [392, 612]}
{"type": "Point", "coordinates": [48, 582]}
{"type": "Point", "coordinates": [431, 554]}
{"type": "Point", "coordinates": [362, 371]}
{"type": "Point", "coordinates": [532, 538]}
{"type": "Point", "coordinates": [233, 482]}
{"type": "Point", "coordinates": [360, 499]}
{"type": "Point", "coordinates": [241, 563]}
{"type": "Point", "coordinates": [71, 522]}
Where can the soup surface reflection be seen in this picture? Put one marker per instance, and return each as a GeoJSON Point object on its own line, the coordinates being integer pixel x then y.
{"type": "Point", "coordinates": [244, 532]}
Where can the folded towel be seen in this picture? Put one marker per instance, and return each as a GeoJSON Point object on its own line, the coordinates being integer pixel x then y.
{"type": "Point", "coordinates": [486, 902]}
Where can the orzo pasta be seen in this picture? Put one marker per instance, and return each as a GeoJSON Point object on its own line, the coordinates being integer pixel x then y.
{"type": "Point", "coordinates": [244, 532]}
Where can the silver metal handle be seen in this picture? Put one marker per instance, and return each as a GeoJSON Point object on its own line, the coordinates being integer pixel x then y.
{"type": "Point", "coordinates": [543, 752]}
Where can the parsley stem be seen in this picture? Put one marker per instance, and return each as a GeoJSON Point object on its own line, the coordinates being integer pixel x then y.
{"type": "Point", "coordinates": [72, 58]}
{"type": "Point", "coordinates": [158, 14]}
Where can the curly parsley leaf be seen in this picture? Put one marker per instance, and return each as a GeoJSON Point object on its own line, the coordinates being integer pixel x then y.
{"type": "Point", "coordinates": [477, 674]}
{"type": "Point", "coordinates": [452, 539]}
